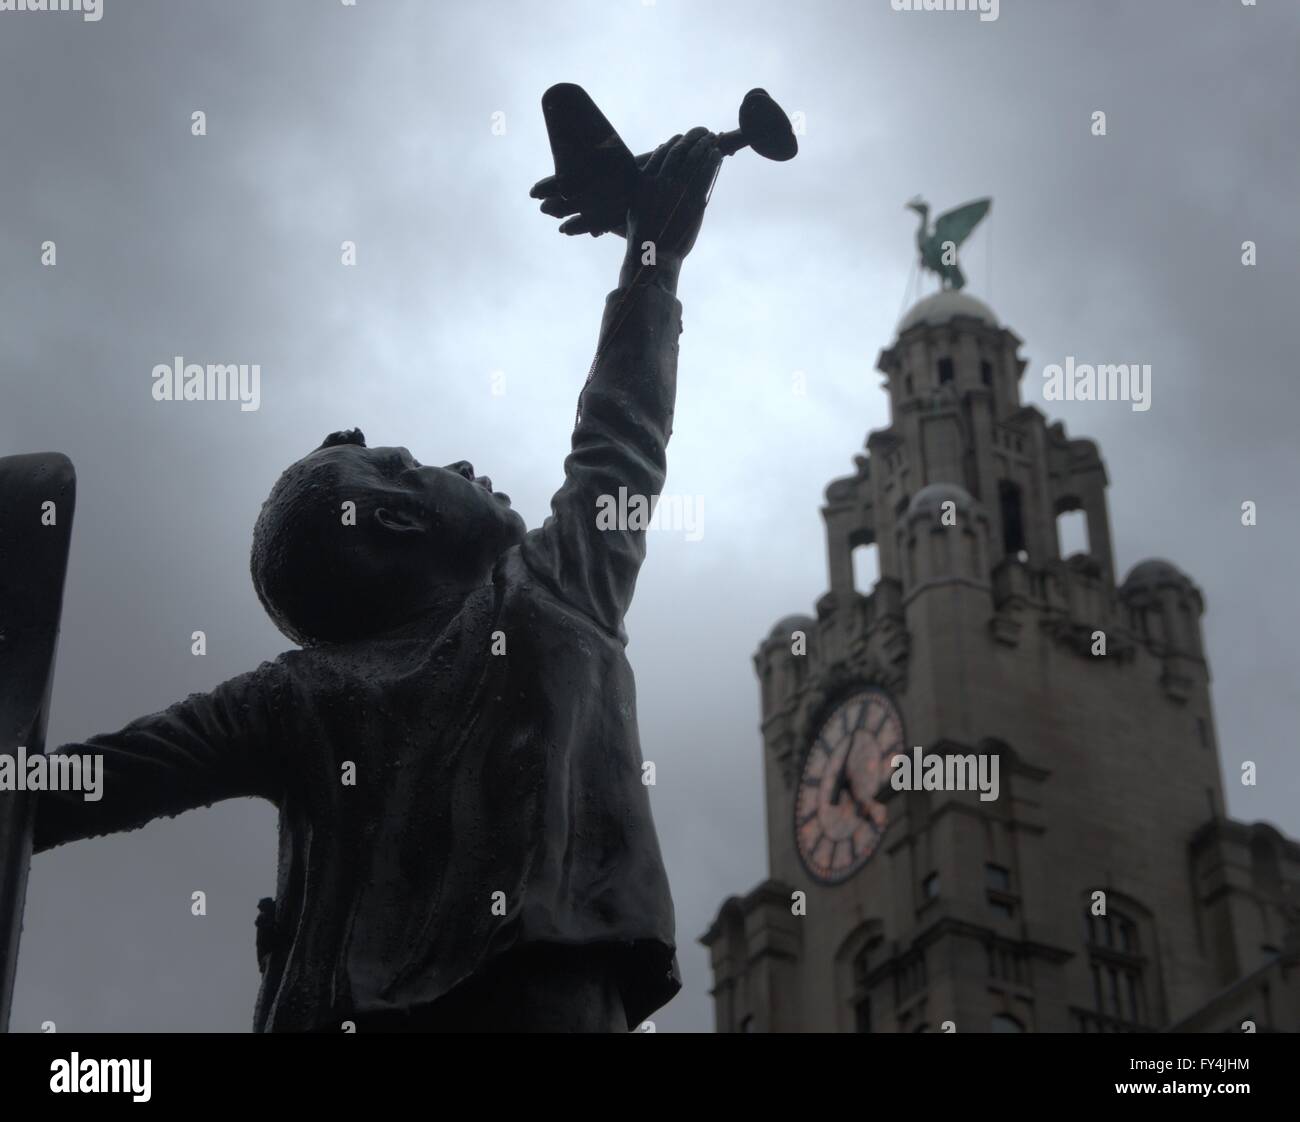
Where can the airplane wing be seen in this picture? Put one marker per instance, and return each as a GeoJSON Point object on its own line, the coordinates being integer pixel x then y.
{"type": "Point", "coordinates": [955, 226]}
{"type": "Point", "coordinates": [594, 170]}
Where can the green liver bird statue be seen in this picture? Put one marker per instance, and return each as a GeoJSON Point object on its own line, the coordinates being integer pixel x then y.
{"type": "Point", "coordinates": [938, 247]}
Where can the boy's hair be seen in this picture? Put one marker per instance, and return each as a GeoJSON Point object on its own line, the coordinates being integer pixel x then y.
{"type": "Point", "coordinates": [344, 436]}
{"type": "Point", "coordinates": [312, 590]}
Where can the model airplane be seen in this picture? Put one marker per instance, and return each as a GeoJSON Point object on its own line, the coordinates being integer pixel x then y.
{"type": "Point", "coordinates": [595, 172]}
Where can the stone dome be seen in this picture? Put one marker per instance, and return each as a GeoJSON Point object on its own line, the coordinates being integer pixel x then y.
{"type": "Point", "coordinates": [783, 628]}
{"type": "Point", "coordinates": [944, 306]}
{"type": "Point", "coordinates": [928, 501]}
{"type": "Point", "coordinates": [1153, 574]}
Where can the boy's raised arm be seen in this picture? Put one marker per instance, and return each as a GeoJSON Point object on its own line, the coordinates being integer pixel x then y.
{"type": "Point", "coordinates": [588, 550]}
{"type": "Point", "coordinates": [201, 750]}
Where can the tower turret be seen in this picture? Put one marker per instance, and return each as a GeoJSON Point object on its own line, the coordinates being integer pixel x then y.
{"type": "Point", "coordinates": [1085, 706]}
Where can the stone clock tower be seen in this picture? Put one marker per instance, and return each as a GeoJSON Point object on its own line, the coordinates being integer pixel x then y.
{"type": "Point", "coordinates": [1097, 886]}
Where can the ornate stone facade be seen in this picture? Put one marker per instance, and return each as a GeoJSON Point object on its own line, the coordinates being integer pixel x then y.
{"type": "Point", "coordinates": [986, 913]}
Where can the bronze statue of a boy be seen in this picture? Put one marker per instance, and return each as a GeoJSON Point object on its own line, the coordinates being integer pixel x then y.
{"type": "Point", "coordinates": [465, 839]}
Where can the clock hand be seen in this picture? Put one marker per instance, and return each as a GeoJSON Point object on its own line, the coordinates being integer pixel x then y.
{"type": "Point", "coordinates": [859, 805]}
{"type": "Point", "coordinates": [863, 812]}
{"type": "Point", "coordinates": [841, 783]}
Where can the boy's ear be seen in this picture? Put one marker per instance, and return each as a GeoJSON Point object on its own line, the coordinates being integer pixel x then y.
{"type": "Point", "coordinates": [398, 521]}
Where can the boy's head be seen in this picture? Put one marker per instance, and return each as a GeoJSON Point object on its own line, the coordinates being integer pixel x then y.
{"type": "Point", "coordinates": [327, 571]}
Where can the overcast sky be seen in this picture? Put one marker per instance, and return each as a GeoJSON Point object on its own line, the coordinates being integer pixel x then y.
{"type": "Point", "coordinates": [373, 123]}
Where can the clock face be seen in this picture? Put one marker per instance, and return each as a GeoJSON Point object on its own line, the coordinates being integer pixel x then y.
{"type": "Point", "coordinates": [837, 821]}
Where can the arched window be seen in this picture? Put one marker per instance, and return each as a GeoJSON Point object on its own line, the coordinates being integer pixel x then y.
{"type": "Point", "coordinates": [861, 996]}
{"type": "Point", "coordinates": [1265, 869]}
{"type": "Point", "coordinates": [1013, 526]}
{"type": "Point", "coordinates": [1072, 532]}
{"type": "Point", "coordinates": [856, 961]}
{"type": "Point", "coordinates": [1003, 1023]}
{"type": "Point", "coordinates": [866, 567]}
{"type": "Point", "coordinates": [1117, 963]}
{"type": "Point", "coordinates": [864, 559]}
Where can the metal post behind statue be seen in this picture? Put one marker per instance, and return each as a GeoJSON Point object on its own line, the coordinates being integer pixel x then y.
{"type": "Point", "coordinates": [38, 493]}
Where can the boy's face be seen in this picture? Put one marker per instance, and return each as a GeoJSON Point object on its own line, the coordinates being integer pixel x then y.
{"type": "Point", "coordinates": [456, 512]}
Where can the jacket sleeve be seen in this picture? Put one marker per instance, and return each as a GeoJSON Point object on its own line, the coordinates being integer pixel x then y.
{"type": "Point", "coordinates": [206, 748]}
{"type": "Point", "coordinates": [584, 551]}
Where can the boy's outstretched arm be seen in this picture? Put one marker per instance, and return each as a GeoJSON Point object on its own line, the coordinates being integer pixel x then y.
{"type": "Point", "coordinates": [587, 551]}
{"type": "Point", "coordinates": [203, 749]}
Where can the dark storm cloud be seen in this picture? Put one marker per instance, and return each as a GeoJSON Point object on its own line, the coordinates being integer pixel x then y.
{"type": "Point", "coordinates": [373, 124]}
